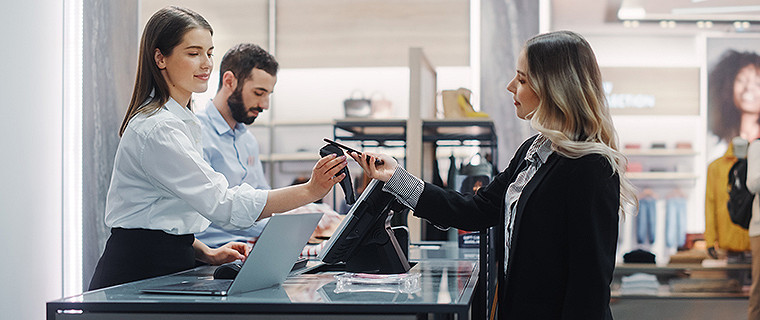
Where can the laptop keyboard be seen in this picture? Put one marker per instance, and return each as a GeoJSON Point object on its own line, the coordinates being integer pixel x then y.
{"type": "Point", "coordinates": [206, 285]}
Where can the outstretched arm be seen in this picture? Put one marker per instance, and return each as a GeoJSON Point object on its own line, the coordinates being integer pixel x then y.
{"type": "Point", "coordinates": [322, 180]}
{"type": "Point", "coordinates": [442, 207]}
{"type": "Point", "coordinates": [172, 163]}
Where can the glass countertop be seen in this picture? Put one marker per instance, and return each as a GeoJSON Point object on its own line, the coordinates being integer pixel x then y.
{"type": "Point", "coordinates": [446, 278]}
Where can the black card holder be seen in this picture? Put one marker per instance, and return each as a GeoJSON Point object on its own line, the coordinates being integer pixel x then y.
{"type": "Point", "coordinates": [345, 184]}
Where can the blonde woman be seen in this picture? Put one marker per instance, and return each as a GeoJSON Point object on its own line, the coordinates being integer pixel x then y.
{"type": "Point", "coordinates": [558, 203]}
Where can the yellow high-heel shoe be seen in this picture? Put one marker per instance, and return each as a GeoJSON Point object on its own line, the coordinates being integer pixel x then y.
{"type": "Point", "coordinates": [456, 105]}
{"type": "Point", "coordinates": [464, 103]}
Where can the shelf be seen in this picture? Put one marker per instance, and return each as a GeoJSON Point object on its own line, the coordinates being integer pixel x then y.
{"type": "Point", "coordinates": [650, 267]}
{"type": "Point", "coordinates": [432, 130]}
{"type": "Point", "coordinates": [460, 152]}
{"type": "Point", "coordinates": [659, 152]}
{"type": "Point", "coordinates": [325, 122]}
{"type": "Point", "coordinates": [666, 294]}
{"type": "Point", "coordinates": [370, 129]}
{"type": "Point", "coordinates": [662, 176]}
{"type": "Point", "coordinates": [462, 122]}
{"type": "Point", "coordinates": [295, 156]}
{"type": "Point", "coordinates": [459, 130]}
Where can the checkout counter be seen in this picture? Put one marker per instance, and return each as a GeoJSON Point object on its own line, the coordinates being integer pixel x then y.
{"type": "Point", "coordinates": [448, 276]}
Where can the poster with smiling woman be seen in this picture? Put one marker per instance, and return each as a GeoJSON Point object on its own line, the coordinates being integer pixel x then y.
{"type": "Point", "coordinates": [733, 91]}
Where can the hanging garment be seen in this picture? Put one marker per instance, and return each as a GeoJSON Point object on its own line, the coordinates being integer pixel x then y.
{"type": "Point", "coordinates": [646, 221]}
{"type": "Point", "coordinates": [675, 222]}
{"type": "Point", "coordinates": [718, 225]}
{"type": "Point", "coordinates": [452, 175]}
{"type": "Point", "coordinates": [437, 180]}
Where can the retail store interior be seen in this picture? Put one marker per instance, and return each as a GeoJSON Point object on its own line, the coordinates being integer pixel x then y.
{"type": "Point", "coordinates": [72, 65]}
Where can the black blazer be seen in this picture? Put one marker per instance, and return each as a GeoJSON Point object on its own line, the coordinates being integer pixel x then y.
{"type": "Point", "coordinates": [563, 246]}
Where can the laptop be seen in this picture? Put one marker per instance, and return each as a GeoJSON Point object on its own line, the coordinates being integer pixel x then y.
{"type": "Point", "coordinates": [267, 265]}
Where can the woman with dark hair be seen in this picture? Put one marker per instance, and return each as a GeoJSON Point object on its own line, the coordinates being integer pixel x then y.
{"type": "Point", "coordinates": [734, 116]}
{"type": "Point", "coordinates": [162, 191]}
{"type": "Point", "coordinates": [558, 202]}
{"type": "Point", "coordinates": [734, 96]}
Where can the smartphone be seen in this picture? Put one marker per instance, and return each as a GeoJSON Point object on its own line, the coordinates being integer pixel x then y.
{"type": "Point", "coordinates": [349, 149]}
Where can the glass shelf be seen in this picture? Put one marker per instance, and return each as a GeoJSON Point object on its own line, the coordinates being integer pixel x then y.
{"type": "Point", "coordinates": [659, 152]}
{"type": "Point", "coordinates": [295, 156]}
{"type": "Point", "coordinates": [661, 176]}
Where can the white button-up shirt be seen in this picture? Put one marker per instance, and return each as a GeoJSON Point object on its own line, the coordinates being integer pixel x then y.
{"type": "Point", "coordinates": [161, 182]}
{"type": "Point", "coordinates": [538, 152]}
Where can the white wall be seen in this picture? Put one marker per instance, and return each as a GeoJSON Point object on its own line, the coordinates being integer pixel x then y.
{"type": "Point", "coordinates": [30, 138]}
{"type": "Point", "coordinates": [659, 50]}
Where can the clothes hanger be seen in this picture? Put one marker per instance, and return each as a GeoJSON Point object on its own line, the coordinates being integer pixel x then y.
{"type": "Point", "coordinates": [647, 192]}
{"type": "Point", "coordinates": [676, 193]}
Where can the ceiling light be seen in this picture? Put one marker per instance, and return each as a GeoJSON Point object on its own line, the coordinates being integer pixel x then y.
{"type": "Point", "coordinates": [631, 23]}
{"type": "Point", "coordinates": [646, 11]}
{"type": "Point", "coordinates": [704, 24]}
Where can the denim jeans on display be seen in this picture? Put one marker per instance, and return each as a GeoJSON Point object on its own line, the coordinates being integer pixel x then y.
{"type": "Point", "coordinates": [646, 221]}
{"type": "Point", "coordinates": [675, 222]}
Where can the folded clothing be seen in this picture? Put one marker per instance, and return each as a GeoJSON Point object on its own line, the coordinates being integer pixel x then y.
{"type": "Point", "coordinates": [639, 256]}
{"type": "Point", "coordinates": [634, 167]}
{"type": "Point", "coordinates": [638, 291]}
{"type": "Point", "coordinates": [705, 285]}
{"type": "Point", "coordinates": [313, 250]}
{"type": "Point", "coordinates": [689, 256]}
{"type": "Point", "coordinates": [640, 280]}
{"type": "Point", "coordinates": [639, 284]}
{"type": "Point", "coordinates": [683, 145]}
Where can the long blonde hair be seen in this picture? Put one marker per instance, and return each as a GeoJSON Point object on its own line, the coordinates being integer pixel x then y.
{"type": "Point", "coordinates": [573, 111]}
{"type": "Point", "coordinates": [164, 31]}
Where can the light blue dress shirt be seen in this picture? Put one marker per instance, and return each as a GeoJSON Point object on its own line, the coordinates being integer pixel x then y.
{"type": "Point", "coordinates": [235, 154]}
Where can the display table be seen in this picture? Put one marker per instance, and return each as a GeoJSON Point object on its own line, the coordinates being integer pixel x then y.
{"type": "Point", "coordinates": [446, 287]}
{"type": "Point", "coordinates": [666, 304]}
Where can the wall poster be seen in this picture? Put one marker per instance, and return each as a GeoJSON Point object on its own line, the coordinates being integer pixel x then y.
{"type": "Point", "coordinates": [733, 91]}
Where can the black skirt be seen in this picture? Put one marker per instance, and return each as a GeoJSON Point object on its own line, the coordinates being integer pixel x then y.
{"type": "Point", "coordinates": [136, 254]}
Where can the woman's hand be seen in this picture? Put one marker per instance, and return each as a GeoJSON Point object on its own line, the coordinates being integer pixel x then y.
{"type": "Point", "coordinates": [227, 253]}
{"type": "Point", "coordinates": [321, 182]}
{"type": "Point", "coordinates": [323, 175]}
{"type": "Point", "coordinates": [381, 172]}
